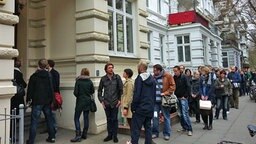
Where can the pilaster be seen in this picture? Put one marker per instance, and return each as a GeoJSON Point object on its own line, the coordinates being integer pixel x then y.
{"type": "Point", "coordinates": [92, 48]}
{"type": "Point", "coordinates": [7, 90]}
{"type": "Point", "coordinates": [36, 29]}
{"type": "Point", "coordinates": [142, 33]}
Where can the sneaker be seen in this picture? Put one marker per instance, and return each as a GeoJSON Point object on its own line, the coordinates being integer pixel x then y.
{"type": "Point", "coordinates": [181, 130]}
{"type": "Point", "coordinates": [108, 138]}
{"type": "Point", "coordinates": [227, 112]}
{"type": "Point", "coordinates": [166, 138]}
{"type": "Point", "coordinates": [154, 136]}
{"type": "Point", "coordinates": [50, 140]}
{"type": "Point", "coordinates": [190, 133]}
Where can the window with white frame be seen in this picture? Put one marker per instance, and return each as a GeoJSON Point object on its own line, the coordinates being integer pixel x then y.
{"type": "Point", "coordinates": [161, 45]}
{"type": "Point", "coordinates": [159, 6]}
{"type": "Point", "coordinates": [120, 27]}
{"type": "Point", "coordinates": [183, 48]}
{"type": "Point", "coordinates": [225, 59]}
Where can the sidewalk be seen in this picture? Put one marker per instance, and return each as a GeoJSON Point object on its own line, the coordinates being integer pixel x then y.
{"type": "Point", "coordinates": [235, 130]}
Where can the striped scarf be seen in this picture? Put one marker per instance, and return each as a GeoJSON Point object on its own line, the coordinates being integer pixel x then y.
{"type": "Point", "coordinates": [159, 87]}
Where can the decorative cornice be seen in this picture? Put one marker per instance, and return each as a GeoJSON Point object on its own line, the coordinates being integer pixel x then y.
{"type": "Point", "coordinates": [8, 53]}
{"type": "Point", "coordinates": [144, 29]}
{"type": "Point", "coordinates": [8, 19]}
{"type": "Point", "coordinates": [92, 13]}
{"type": "Point", "coordinates": [90, 36]}
{"type": "Point", "coordinates": [143, 13]}
{"type": "Point", "coordinates": [144, 45]}
{"type": "Point", "coordinates": [92, 58]}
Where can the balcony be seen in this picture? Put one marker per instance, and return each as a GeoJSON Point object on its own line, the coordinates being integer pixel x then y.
{"type": "Point", "coordinates": [187, 17]}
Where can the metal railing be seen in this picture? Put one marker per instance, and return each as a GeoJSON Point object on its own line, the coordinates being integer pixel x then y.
{"type": "Point", "coordinates": [14, 118]}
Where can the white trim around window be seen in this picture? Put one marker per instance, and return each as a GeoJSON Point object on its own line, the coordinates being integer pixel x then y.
{"type": "Point", "coordinates": [183, 48]}
{"type": "Point", "coordinates": [123, 35]}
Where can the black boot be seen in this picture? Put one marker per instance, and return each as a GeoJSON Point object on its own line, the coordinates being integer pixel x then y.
{"type": "Point", "coordinates": [77, 138]}
{"type": "Point", "coordinates": [205, 127]}
{"type": "Point", "coordinates": [84, 134]}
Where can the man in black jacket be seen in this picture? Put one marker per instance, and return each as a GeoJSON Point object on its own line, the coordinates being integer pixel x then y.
{"type": "Point", "coordinates": [111, 99]}
{"type": "Point", "coordinates": [183, 90]}
{"type": "Point", "coordinates": [56, 87]}
{"type": "Point", "coordinates": [40, 92]}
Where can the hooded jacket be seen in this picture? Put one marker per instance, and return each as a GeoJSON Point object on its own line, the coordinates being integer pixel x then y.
{"type": "Point", "coordinates": [144, 95]}
{"type": "Point", "coordinates": [40, 89]}
{"type": "Point", "coordinates": [83, 91]}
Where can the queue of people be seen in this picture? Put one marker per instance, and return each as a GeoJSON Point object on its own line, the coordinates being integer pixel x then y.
{"type": "Point", "coordinates": [140, 101]}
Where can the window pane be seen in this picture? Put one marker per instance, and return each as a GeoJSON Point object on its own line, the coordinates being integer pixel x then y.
{"type": "Point", "coordinates": [110, 3]}
{"type": "Point", "coordinates": [120, 33]}
{"type": "Point", "coordinates": [119, 4]}
{"type": "Point", "coordinates": [110, 32]}
{"type": "Point", "coordinates": [128, 7]}
{"type": "Point", "coordinates": [149, 42]}
{"type": "Point", "coordinates": [186, 39]}
{"type": "Point", "coordinates": [224, 54]}
{"type": "Point", "coordinates": [129, 35]}
{"type": "Point", "coordinates": [179, 40]}
{"type": "Point", "coordinates": [180, 53]}
{"type": "Point", "coordinates": [225, 62]}
{"type": "Point", "coordinates": [187, 53]}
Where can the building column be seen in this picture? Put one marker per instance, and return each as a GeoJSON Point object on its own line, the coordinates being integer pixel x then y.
{"type": "Point", "coordinates": [92, 49]}
{"type": "Point", "coordinates": [7, 90]}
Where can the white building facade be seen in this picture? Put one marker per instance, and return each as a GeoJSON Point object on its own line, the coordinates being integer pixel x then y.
{"type": "Point", "coordinates": [196, 42]}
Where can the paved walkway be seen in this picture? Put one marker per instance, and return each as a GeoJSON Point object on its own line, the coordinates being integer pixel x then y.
{"type": "Point", "coordinates": [232, 130]}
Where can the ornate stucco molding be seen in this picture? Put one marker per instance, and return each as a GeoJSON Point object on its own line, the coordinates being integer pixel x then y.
{"type": "Point", "coordinates": [144, 29]}
{"type": "Point", "coordinates": [92, 58]}
{"type": "Point", "coordinates": [37, 23]}
{"type": "Point", "coordinates": [8, 53]}
{"type": "Point", "coordinates": [36, 43]}
{"type": "Point", "coordinates": [143, 13]}
{"type": "Point", "coordinates": [8, 19]}
{"type": "Point", "coordinates": [144, 45]}
{"type": "Point", "coordinates": [92, 13]}
{"type": "Point", "coordinates": [90, 36]}
{"type": "Point", "coordinates": [36, 4]}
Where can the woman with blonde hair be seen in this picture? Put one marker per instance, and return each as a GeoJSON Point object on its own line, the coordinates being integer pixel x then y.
{"type": "Point", "coordinates": [83, 91]}
{"type": "Point", "coordinates": [206, 92]}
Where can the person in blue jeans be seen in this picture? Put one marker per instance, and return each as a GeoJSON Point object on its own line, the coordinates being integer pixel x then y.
{"type": "Point", "coordinates": [142, 105]}
{"type": "Point", "coordinates": [83, 91]}
{"type": "Point", "coordinates": [183, 90]}
{"type": "Point", "coordinates": [165, 85]}
{"type": "Point", "coordinates": [40, 92]}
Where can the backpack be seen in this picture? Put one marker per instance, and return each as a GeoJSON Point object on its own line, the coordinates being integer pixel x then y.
{"type": "Point", "coordinates": [20, 90]}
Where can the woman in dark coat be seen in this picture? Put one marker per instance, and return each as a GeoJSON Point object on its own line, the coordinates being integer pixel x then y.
{"type": "Point", "coordinates": [206, 92]}
{"type": "Point", "coordinates": [223, 89]}
{"type": "Point", "coordinates": [83, 91]}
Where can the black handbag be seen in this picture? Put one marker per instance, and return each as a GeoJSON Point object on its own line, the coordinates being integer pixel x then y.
{"type": "Point", "coordinates": [93, 107]}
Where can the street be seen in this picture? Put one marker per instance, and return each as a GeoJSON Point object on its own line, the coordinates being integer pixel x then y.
{"type": "Point", "coordinates": [234, 129]}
